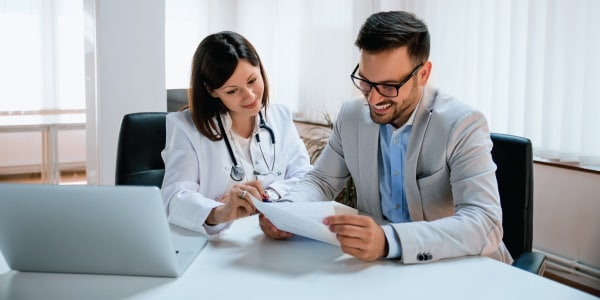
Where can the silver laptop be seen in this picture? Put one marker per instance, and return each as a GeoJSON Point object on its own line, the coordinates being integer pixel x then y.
{"type": "Point", "coordinates": [118, 230]}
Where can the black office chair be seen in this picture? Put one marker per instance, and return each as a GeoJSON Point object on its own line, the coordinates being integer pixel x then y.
{"type": "Point", "coordinates": [514, 159]}
{"type": "Point", "coordinates": [141, 139]}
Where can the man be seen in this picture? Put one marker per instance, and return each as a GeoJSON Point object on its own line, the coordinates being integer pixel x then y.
{"type": "Point", "coordinates": [420, 159]}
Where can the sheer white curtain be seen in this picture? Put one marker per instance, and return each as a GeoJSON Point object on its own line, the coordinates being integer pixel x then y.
{"type": "Point", "coordinates": [41, 56]}
{"type": "Point", "coordinates": [305, 45]}
{"type": "Point", "coordinates": [530, 66]}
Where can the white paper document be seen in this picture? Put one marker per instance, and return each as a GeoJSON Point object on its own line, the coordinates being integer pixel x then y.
{"type": "Point", "coordinates": [301, 218]}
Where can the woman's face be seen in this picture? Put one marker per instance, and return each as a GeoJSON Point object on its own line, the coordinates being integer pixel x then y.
{"type": "Point", "coordinates": [242, 92]}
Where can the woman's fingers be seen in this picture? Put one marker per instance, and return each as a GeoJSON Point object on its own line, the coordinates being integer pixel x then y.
{"type": "Point", "coordinates": [256, 186]}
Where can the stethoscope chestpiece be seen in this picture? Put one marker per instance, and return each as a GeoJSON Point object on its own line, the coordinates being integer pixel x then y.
{"type": "Point", "coordinates": [237, 173]}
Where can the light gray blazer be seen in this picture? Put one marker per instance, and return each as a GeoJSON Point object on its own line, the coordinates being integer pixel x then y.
{"type": "Point", "coordinates": [449, 178]}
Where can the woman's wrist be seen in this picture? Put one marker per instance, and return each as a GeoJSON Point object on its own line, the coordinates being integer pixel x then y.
{"type": "Point", "coordinates": [211, 220]}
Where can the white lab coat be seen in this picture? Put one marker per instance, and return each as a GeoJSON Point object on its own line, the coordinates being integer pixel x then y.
{"type": "Point", "coordinates": [197, 169]}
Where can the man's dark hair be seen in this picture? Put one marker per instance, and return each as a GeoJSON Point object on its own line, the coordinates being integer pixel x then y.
{"type": "Point", "coordinates": [394, 29]}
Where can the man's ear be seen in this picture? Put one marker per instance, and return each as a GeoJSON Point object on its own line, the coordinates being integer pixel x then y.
{"type": "Point", "coordinates": [423, 73]}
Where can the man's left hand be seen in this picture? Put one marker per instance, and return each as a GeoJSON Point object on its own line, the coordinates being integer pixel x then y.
{"type": "Point", "coordinates": [359, 236]}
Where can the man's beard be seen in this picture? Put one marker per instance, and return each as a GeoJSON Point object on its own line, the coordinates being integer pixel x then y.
{"type": "Point", "coordinates": [396, 111]}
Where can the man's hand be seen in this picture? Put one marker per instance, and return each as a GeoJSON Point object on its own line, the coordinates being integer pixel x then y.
{"type": "Point", "coordinates": [359, 236]}
{"type": "Point", "coordinates": [270, 230]}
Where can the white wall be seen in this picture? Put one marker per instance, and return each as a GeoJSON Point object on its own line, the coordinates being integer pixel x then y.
{"type": "Point", "coordinates": [566, 214]}
{"type": "Point", "coordinates": [24, 155]}
{"type": "Point", "coordinates": [125, 72]}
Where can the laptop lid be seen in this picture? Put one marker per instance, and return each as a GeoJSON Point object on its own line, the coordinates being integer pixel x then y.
{"type": "Point", "coordinates": [118, 230]}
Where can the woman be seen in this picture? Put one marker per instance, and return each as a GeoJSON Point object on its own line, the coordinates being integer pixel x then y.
{"type": "Point", "coordinates": [229, 142]}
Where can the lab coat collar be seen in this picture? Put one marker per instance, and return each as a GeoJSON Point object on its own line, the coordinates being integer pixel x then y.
{"type": "Point", "coordinates": [227, 122]}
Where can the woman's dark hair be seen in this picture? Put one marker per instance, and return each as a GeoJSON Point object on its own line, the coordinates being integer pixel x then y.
{"type": "Point", "coordinates": [214, 62]}
{"type": "Point", "coordinates": [394, 29]}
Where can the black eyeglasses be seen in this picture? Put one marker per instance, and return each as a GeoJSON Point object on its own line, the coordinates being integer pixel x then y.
{"type": "Point", "coordinates": [385, 89]}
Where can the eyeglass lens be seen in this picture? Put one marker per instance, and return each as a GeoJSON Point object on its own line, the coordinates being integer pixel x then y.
{"type": "Point", "coordinates": [383, 89]}
{"type": "Point", "coordinates": [386, 90]}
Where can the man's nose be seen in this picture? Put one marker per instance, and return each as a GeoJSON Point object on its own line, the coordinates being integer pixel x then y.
{"type": "Point", "coordinates": [373, 96]}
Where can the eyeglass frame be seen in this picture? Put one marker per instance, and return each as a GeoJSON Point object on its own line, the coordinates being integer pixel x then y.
{"type": "Point", "coordinates": [375, 84]}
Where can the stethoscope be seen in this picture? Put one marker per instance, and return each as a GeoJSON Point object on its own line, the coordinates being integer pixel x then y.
{"type": "Point", "coordinates": [237, 171]}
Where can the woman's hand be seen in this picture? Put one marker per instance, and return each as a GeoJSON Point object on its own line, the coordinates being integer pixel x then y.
{"type": "Point", "coordinates": [259, 189]}
{"type": "Point", "coordinates": [237, 203]}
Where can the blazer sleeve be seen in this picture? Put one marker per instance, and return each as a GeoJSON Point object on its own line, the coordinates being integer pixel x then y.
{"type": "Point", "coordinates": [461, 208]}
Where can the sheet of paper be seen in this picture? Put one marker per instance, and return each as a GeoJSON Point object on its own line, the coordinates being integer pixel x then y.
{"type": "Point", "coordinates": [301, 218]}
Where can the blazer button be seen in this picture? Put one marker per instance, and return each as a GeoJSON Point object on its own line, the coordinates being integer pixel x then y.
{"type": "Point", "coordinates": [429, 256]}
{"type": "Point", "coordinates": [420, 257]}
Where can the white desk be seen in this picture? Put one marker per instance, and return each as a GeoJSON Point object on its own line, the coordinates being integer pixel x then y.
{"type": "Point", "coordinates": [243, 264]}
{"type": "Point", "coordinates": [49, 126]}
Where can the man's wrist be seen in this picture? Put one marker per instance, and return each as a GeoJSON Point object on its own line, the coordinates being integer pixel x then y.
{"type": "Point", "coordinates": [394, 247]}
{"type": "Point", "coordinates": [386, 248]}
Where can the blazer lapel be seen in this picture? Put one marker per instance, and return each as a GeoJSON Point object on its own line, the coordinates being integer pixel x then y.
{"type": "Point", "coordinates": [368, 154]}
{"type": "Point", "coordinates": [420, 123]}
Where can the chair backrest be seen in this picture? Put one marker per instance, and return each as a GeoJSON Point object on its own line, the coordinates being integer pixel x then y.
{"type": "Point", "coordinates": [514, 159]}
{"type": "Point", "coordinates": [141, 140]}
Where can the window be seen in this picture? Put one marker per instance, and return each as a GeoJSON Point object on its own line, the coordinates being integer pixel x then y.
{"type": "Point", "coordinates": [41, 56]}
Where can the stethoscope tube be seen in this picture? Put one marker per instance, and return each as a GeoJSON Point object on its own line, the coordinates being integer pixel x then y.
{"type": "Point", "coordinates": [263, 125]}
{"type": "Point", "coordinates": [237, 171]}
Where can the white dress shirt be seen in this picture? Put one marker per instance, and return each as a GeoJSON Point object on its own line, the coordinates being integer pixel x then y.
{"type": "Point", "coordinates": [197, 170]}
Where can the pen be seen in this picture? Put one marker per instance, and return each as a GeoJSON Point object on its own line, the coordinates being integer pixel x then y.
{"type": "Point", "coordinates": [266, 199]}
